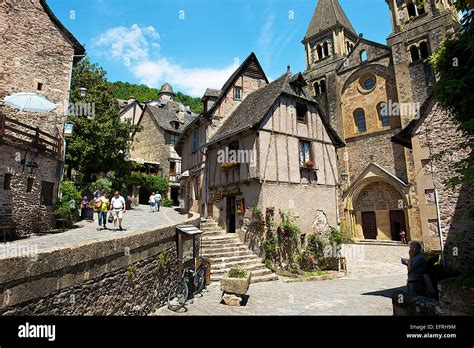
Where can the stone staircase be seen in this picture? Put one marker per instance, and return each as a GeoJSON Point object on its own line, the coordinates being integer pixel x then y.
{"type": "Point", "coordinates": [227, 251]}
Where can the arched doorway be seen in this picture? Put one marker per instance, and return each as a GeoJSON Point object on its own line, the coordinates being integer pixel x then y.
{"type": "Point", "coordinates": [379, 211]}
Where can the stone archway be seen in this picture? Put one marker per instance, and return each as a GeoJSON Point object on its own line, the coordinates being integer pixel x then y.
{"type": "Point", "coordinates": [378, 210]}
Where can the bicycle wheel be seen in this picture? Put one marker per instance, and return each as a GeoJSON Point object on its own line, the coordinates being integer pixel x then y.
{"type": "Point", "coordinates": [177, 296]}
{"type": "Point", "coordinates": [200, 280]}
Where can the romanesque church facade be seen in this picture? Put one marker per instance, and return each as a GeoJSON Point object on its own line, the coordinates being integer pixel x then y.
{"type": "Point", "coordinates": [368, 92]}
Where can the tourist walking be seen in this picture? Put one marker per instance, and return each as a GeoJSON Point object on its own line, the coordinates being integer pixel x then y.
{"type": "Point", "coordinates": [416, 269]}
{"type": "Point", "coordinates": [96, 194]}
{"type": "Point", "coordinates": [118, 208]}
{"type": "Point", "coordinates": [102, 205]}
{"type": "Point", "coordinates": [157, 201]}
{"type": "Point", "coordinates": [151, 201]}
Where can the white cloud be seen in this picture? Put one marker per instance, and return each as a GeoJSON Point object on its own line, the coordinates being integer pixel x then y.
{"type": "Point", "coordinates": [138, 47]}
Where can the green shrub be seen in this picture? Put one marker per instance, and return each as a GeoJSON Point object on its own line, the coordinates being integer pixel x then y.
{"type": "Point", "coordinates": [237, 273]}
{"type": "Point", "coordinates": [336, 236]}
{"type": "Point", "coordinates": [69, 201]}
{"type": "Point", "coordinates": [153, 183]}
{"type": "Point", "coordinates": [270, 248]}
{"type": "Point", "coordinates": [167, 203]}
{"type": "Point", "coordinates": [102, 184]}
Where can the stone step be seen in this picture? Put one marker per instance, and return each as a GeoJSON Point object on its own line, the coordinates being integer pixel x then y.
{"type": "Point", "coordinates": [226, 259]}
{"type": "Point", "coordinates": [220, 244]}
{"type": "Point", "coordinates": [212, 228]}
{"type": "Point", "coordinates": [226, 253]}
{"type": "Point", "coordinates": [223, 237]}
{"type": "Point", "coordinates": [379, 242]}
{"type": "Point", "coordinates": [266, 278]}
{"type": "Point", "coordinates": [224, 249]}
{"type": "Point", "coordinates": [213, 234]}
{"type": "Point", "coordinates": [209, 224]}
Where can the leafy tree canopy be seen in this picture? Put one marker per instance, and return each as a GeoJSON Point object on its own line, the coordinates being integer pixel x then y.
{"type": "Point", "coordinates": [100, 141]}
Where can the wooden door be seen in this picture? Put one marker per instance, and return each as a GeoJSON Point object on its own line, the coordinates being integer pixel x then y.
{"type": "Point", "coordinates": [230, 214]}
{"type": "Point", "coordinates": [397, 223]}
{"type": "Point", "coordinates": [369, 225]}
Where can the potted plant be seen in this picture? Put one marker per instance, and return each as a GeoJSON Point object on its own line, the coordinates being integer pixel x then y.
{"type": "Point", "coordinates": [310, 164]}
{"type": "Point", "coordinates": [235, 285]}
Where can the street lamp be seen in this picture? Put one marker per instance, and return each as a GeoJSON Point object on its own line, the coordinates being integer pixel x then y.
{"type": "Point", "coordinates": [83, 91]}
{"type": "Point", "coordinates": [31, 165]}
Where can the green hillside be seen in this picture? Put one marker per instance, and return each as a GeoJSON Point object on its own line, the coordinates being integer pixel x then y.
{"type": "Point", "coordinates": [143, 93]}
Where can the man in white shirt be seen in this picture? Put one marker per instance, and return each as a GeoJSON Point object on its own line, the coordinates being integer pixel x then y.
{"type": "Point", "coordinates": [117, 208]}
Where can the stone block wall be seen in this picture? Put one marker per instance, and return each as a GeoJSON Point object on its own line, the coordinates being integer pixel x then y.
{"type": "Point", "coordinates": [27, 211]}
{"type": "Point", "coordinates": [439, 134]}
{"type": "Point", "coordinates": [127, 275]}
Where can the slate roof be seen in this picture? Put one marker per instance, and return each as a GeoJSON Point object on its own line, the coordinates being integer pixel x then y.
{"type": "Point", "coordinates": [213, 93]}
{"type": "Point", "coordinates": [166, 88]}
{"type": "Point", "coordinates": [328, 13]}
{"type": "Point", "coordinates": [229, 83]}
{"type": "Point", "coordinates": [253, 109]}
{"type": "Point", "coordinates": [169, 112]}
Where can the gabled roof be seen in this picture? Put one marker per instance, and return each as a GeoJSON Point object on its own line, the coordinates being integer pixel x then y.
{"type": "Point", "coordinates": [78, 48]}
{"type": "Point", "coordinates": [328, 14]}
{"type": "Point", "coordinates": [211, 93]}
{"type": "Point", "coordinates": [166, 114]}
{"type": "Point", "coordinates": [252, 58]}
{"type": "Point", "coordinates": [251, 112]}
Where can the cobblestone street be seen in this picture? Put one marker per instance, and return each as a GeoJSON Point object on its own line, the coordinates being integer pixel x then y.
{"type": "Point", "coordinates": [134, 220]}
{"type": "Point", "coordinates": [366, 290]}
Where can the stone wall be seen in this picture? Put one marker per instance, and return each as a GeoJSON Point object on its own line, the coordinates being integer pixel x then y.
{"type": "Point", "coordinates": [28, 214]}
{"type": "Point", "coordinates": [440, 137]}
{"type": "Point", "coordinates": [126, 275]}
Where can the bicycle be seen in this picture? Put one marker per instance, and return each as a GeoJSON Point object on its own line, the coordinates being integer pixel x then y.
{"type": "Point", "coordinates": [179, 292]}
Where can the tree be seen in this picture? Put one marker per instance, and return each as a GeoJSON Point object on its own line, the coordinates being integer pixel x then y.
{"type": "Point", "coordinates": [101, 140]}
{"type": "Point", "coordinates": [453, 64]}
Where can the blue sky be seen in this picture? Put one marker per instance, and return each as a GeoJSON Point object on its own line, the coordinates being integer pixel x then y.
{"type": "Point", "coordinates": [194, 44]}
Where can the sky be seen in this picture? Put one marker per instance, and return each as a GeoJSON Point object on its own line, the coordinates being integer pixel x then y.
{"type": "Point", "coordinates": [195, 44]}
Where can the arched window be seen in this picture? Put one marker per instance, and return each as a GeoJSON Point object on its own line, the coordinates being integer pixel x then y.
{"type": "Point", "coordinates": [415, 55]}
{"type": "Point", "coordinates": [411, 8]}
{"type": "Point", "coordinates": [424, 53]}
{"type": "Point", "coordinates": [316, 88]}
{"type": "Point", "coordinates": [326, 49]}
{"type": "Point", "coordinates": [384, 114]}
{"type": "Point", "coordinates": [359, 118]}
{"type": "Point", "coordinates": [320, 52]}
{"type": "Point", "coordinates": [322, 86]}
{"type": "Point", "coordinates": [363, 56]}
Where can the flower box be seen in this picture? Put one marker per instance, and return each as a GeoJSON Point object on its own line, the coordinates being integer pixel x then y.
{"type": "Point", "coordinates": [309, 164]}
{"type": "Point", "coordinates": [235, 286]}
{"type": "Point", "coordinates": [230, 165]}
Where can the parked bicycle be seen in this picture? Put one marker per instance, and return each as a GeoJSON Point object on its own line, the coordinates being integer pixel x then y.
{"type": "Point", "coordinates": [180, 291]}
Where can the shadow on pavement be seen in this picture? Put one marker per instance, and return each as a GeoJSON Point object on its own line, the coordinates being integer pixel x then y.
{"type": "Point", "coordinates": [386, 292]}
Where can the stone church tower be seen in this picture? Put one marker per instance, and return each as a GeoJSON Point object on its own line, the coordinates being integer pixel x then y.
{"type": "Point", "coordinates": [356, 83]}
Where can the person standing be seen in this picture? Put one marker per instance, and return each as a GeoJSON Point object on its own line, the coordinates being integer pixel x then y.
{"type": "Point", "coordinates": [151, 201]}
{"type": "Point", "coordinates": [416, 269]}
{"type": "Point", "coordinates": [157, 201]}
{"type": "Point", "coordinates": [84, 206]}
{"type": "Point", "coordinates": [102, 205]}
{"type": "Point", "coordinates": [403, 236]}
{"type": "Point", "coordinates": [118, 208]}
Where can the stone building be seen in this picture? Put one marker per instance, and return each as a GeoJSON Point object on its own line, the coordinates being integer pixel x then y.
{"type": "Point", "coordinates": [162, 121]}
{"type": "Point", "coordinates": [130, 109]}
{"type": "Point", "coordinates": [368, 91]}
{"type": "Point", "coordinates": [436, 144]}
{"type": "Point", "coordinates": [37, 55]}
{"type": "Point", "coordinates": [261, 144]}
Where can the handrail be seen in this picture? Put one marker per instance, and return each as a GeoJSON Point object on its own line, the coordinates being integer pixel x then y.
{"type": "Point", "coordinates": [37, 139]}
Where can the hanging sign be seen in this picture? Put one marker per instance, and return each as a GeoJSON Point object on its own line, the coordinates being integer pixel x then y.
{"type": "Point", "coordinates": [68, 127]}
